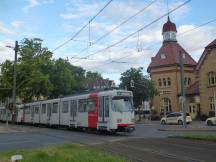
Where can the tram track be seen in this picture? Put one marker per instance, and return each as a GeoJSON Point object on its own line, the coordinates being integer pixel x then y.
{"type": "Point", "coordinates": [142, 154]}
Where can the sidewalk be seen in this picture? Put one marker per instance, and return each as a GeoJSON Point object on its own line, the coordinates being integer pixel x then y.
{"type": "Point", "coordinates": [12, 128]}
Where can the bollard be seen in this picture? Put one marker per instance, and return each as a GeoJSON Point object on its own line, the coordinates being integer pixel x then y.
{"type": "Point", "coordinates": [16, 158]}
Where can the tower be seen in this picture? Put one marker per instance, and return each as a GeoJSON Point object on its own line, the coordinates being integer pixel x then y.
{"type": "Point", "coordinates": [164, 70]}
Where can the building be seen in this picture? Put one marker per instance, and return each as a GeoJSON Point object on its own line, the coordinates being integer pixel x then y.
{"type": "Point", "coordinates": [164, 70]}
{"type": "Point", "coordinates": [206, 74]}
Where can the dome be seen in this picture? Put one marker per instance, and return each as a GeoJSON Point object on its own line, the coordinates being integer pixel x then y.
{"type": "Point", "coordinates": [169, 26]}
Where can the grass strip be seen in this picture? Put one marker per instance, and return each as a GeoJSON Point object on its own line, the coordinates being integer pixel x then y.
{"type": "Point", "coordinates": [198, 137]}
{"type": "Point", "coordinates": [65, 153]}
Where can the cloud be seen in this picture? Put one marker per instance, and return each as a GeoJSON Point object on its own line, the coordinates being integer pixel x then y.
{"type": "Point", "coordinates": [78, 9]}
{"type": "Point", "coordinates": [17, 24]}
{"type": "Point", "coordinates": [196, 40]}
{"type": "Point", "coordinates": [5, 30]}
{"type": "Point", "coordinates": [6, 53]}
{"type": "Point", "coordinates": [31, 4]}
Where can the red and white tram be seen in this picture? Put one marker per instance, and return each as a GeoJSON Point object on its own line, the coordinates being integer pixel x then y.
{"type": "Point", "coordinates": [110, 110]}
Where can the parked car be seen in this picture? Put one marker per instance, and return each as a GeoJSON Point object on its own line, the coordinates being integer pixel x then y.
{"type": "Point", "coordinates": [176, 118]}
{"type": "Point", "coordinates": [211, 121]}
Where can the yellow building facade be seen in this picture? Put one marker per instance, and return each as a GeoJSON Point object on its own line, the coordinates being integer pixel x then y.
{"type": "Point", "coordinates": [164, 70]}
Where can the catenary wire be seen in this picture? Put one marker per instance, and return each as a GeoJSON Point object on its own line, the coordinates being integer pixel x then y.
{"type": "Point", "coordinates": [79, 31]}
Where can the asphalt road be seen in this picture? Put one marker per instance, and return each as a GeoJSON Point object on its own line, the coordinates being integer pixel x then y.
{"type": "Point", "coordinates": [148, 143]}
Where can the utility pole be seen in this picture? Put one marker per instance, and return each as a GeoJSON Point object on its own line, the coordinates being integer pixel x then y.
{"type": "Point", "coordinates": [14, 79]}
{"type": "Point", "coordinates": [182, 97]}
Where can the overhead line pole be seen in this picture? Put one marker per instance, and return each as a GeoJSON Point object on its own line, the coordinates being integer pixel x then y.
{"type": "Point", "coordinates": [182, 97]}
{"type": "Point", "coordinates": [77, 33]}
{"type": "Point", "coordinates": [14, 78]}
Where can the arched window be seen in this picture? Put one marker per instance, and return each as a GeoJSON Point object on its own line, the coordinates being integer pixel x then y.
{"type": "Point", "coordinates": [168, 81]}
{"type": "Point", "coordinates": [165, 105]}
{"type": "Point", "coordinates": [159, 82]}
{"type": "Point", "coordinates": [212, 78]}
{"type": "Point", "coordinates": [185, 81]}
{"type": "Point", "coordinates": [164, 82]}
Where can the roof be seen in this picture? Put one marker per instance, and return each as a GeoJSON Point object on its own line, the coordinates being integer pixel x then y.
{"type": "Point", "coordinates": [209, 47]}
{"type": "Point", "coordinates": [171, 52]}
{"type": "Point", "coordinates": [193, 89]}
{"type": "Point", "coordinates": [169, 26]}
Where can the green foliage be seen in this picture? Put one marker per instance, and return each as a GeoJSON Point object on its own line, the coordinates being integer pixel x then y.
{"type": "Point", "coordinates": [93, 76]}
{"type": "Point", "coordinates": [40, 76]}
{"type": "Point", "coordinates": [143, 87]}
{"type": "Point", "coordinates": [66, 153]}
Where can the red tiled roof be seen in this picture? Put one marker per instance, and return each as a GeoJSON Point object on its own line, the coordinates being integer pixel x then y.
{"type": "Point", "coordinates": [205, 52]}
{"type": "Point", "coordinates": [169, 26]}
{"type": "Point", "coordinates": [171, 52]}
{"type": "Point", "coordinates": [193, 89]}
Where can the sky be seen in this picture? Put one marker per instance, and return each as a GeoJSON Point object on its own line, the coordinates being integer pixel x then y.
{"type": "Point", "coordinates": [56, 21]}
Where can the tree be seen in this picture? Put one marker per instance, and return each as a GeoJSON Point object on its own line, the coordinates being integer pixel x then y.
{"type": "Point", "coordinates": [93, 76]}
{"type": "Point", "coordinates": [143, 87]}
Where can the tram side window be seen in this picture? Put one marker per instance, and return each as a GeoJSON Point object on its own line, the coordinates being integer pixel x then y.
{"type": "Point", "coordinates": [91, 105]}
{"type": "Point", "coordinates": [83, 105]}
{"type": "Point", "coordinates": [27, 110]}
{"type": "Point", "coordinates": [65, 107]}
{"type": "Point", "coordinates": [73, 108]}
{"type": "Point", "coordinates": [36, 108]}
{"type": "Point", "coordinates": [43, 108]}
{"type": "Point", "coordinates": [100, 106]}
{"type": "Point", "coordinates": [106, 104]}
{"type": "Point", "coordinates": [55, 108]}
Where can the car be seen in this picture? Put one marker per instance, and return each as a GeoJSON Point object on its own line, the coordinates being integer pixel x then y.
{"type": "Point", "coordinates": [176, 118]}
{"type": "Point", "coordinates": [211, 121]}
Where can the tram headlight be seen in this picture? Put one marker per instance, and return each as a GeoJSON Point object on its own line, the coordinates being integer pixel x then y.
{"type": "Point", "coordinates": [119, 120]}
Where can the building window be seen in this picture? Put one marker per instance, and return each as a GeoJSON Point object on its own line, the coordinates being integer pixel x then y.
{"type": "Point", "coordinates": [212, 78]}
{"type": "Point", "coordinates": [212, 106]}
{"type": "Point", "coordinates": [168, 81]}
{"type": "Point", "coordinates": [164, 82]}
{"type": "Point", "coordinates": [165, 105]}
{"type": "Point", "coordinates": [163, 56]}
{"type": "Point", "coordinates": [159, 82]}
{"type": "Point", "coordinates": [187, 81]}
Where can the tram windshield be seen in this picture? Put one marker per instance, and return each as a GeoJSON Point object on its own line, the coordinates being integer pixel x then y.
{"type": "Point", "coordinates": [121, 104]}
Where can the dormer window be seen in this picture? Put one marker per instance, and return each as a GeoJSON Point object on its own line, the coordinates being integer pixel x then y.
{"type": "Point", "coordinates": [183, 55]}
{"type": "Point", "coordinates": [163, 56]}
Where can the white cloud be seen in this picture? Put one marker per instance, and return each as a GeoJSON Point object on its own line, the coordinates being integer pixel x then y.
{"type": "Point", "coordinates": [195, 40]}
{"type": "Point", "coordinates": [31, 4]}
{"type": "Point", "coordinates": [6, 53]}
{"type": "Point", "coordinates": [81, 9]}
{"type": "Point", "coordinates": [17, 24]}
{"type": "Point", "coordinates": [5, 30]}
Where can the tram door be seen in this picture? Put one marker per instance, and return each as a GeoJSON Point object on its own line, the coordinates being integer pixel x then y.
{"type": "Point", "coordinates": [73, 112]}
{"type": "Point", "coordinates": [49, 112]}
{"type": "Point", "coordinates": [103, 111]}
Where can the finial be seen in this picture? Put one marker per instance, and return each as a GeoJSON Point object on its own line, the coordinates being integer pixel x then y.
{"type": "Point", "coordinates": [168, 18]}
